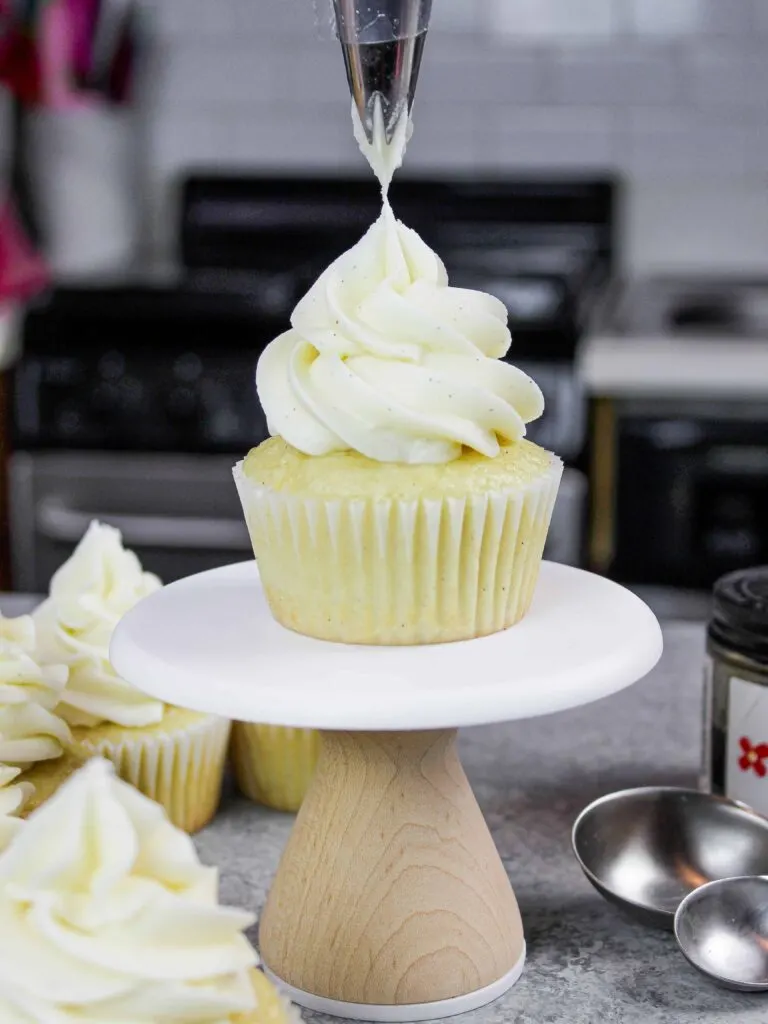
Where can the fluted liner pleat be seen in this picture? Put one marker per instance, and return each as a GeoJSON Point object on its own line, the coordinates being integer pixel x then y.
{"type": "Point", "coordinates": [274, 765]}
{"type": "Point", "coordinates": [181, 768]}
{"type": "Point", "coordinates": [400, 572]}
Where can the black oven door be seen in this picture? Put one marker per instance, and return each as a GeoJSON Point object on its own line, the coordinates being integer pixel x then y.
{"type": "Point", "coordinates": [691, 499]}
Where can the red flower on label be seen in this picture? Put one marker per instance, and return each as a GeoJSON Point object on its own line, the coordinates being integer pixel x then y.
{"type": "Point", "coordinates": [753, 758]}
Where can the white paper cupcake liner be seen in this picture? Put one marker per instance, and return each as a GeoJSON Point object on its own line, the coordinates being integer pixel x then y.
{"type": "Point", "coordinates": [400, 572]}
{"type": "Point", "coordinates": [180, 766]}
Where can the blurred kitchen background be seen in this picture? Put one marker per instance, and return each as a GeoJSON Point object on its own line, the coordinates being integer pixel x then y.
{"type": "Point", "coordinates": [174, 173]}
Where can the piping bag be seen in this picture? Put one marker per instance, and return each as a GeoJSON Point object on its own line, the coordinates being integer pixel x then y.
{"type": "Point", "coordinates": [382, 42]}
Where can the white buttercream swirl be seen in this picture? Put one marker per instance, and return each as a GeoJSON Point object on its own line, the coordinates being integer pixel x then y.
{"type": "Point", "coordinates": [384, 156]}
{"type": "Point", "coordinates": [13, 796]}
{"type": "Point", "coordinates": [29, 731]}
{"type": "Point", "coordinates": [386, 359]}
{"type": "Point", "coordinates": [107, 915]}
{"type": "Point", "coordinates": [89, 594]}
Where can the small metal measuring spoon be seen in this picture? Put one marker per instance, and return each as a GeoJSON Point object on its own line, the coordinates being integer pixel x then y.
{"type": "Point", "coordinates": [647, 849]}
{"type": "Point", "coordinates": [722, 929]}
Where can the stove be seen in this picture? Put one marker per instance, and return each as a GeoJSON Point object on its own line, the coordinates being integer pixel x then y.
{"type": "Point", "coordinates": [680, 336]}
{"type": "Point", "coordinates": [679, 367]}
{"type": "Point", "coordinates": [134, 396]}
{"type": "Point", "coordinates": [694, 308]}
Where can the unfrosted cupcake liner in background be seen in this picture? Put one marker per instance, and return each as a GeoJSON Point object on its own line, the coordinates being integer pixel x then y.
{"type": "Point", "coordinates": [274, 765]}
{"type": "Point", "coordinates": [375, 571]}
{"type": "Point", "coordinates": [179, 763]}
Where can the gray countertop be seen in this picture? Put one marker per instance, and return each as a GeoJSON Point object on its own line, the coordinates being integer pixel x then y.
{"type": "Point", "coordinates": [586, 964]}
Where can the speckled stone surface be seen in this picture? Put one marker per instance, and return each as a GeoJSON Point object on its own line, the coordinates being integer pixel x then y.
{"type": "Point", "coordinates": [586, 964]}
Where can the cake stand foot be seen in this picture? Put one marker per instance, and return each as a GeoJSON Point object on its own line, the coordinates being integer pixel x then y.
{"type": "Point", "coordinates": [404, 1011]}
{"type": "Point", "coordinates": [391, 901]}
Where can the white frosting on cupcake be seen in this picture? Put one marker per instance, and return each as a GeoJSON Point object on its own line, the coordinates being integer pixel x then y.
{"type": "Point", "coordinates": [107, 915]}
{"type": "Point", "coordinates": [29, 730]}
{"type": "Point", "coordinates": [89, 594]}
{"type": "Point", "coordinates": [13, 796]}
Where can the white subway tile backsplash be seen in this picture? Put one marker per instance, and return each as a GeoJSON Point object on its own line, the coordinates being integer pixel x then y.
{"type": "Point", "coordinates": [308, 74]}
{"type": "Point", "coordinates": [728, 78]}
{"type": "Point", "coordinates": [614, 76]}
{"type": "Point", "coordinates": [526, 21]}
{"type": "Point", "coordinates": [455, 74]}
{"type": "Point", "coordinates": [188, 138]}
{"type": "Point", "coordinates": [675, 143]}
{"type": "Point", "coordinates": [444, 136]}
{"type": "Point", "coordinates": [757, 149]}
{"type": "Point", "coordinates": [729, 17]}
{"type": "Point", "coordinates": [455, 16]}
{"type": "Point", "coordinates": [266, 19]}
{"type": "Point", "coordinates": [542, 137]}
{"type": "Point", "coordinates": [651, 87]}
{"type": "Point", "coordinates": [314, 138]}
{"type": "Point", "coordinates": [209, 76]}
{"type": "Point", "coordinates": [665, 18]}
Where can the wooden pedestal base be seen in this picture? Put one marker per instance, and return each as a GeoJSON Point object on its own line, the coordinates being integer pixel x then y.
{"type": "Point", "coordinates": [391, 891]}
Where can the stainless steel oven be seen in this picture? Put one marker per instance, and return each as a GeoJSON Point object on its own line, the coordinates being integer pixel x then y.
{"type": "Point", "coordinates": [690, 500]}
{"type": "Point", "coordinates": [180, 513]}
{"type": "Point", "coordinates": [134, 398]}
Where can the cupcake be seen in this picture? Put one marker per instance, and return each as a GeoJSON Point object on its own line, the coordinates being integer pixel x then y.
{"type": "Point", "coordinates": [273, 765]}
{"type": "Point", "coordinates": [106, 914]}
{"type": "Point", "coordinates": [14, 794]}
{"type": "Point", "coordinates": [33, 738]}
{"type": "Point", "coordinates": [172, 755]}
{"type": "Point", "coordinates": [398, 501]}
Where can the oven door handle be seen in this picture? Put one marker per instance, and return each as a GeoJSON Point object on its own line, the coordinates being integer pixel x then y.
{"type": "Point", "coordinates": [57, 522]}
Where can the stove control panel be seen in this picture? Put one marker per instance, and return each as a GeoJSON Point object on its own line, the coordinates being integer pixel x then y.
{"type": "Point", "coordinates": [175, 399]}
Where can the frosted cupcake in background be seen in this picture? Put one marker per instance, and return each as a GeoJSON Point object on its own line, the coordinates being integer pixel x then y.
{"type": "Point", "coordinates": [274, 765]}
{"type": "Point", "coordinates": [106, 914]}
{"type": "Point", "coordinates": [33, 738]}
{"type": "Point", "coordinates": [172, 755]}
{"type": "Point", "coordinates": [14, 795]}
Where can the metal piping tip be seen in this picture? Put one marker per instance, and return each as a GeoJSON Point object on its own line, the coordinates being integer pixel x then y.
{"type": "Point", "coordinates": [382, 42]}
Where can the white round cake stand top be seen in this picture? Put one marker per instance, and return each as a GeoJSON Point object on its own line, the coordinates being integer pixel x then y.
{"type": "Point", "coordinates": [209, 643]}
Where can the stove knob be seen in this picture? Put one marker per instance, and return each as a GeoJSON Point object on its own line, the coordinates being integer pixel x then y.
{"type": "Point", "coordinates": [105, 398]}
{"type": "Point", "coordinates": [182, 403]}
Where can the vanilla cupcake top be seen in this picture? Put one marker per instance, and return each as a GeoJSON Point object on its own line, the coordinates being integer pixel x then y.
{"type": "Point", "coordinates": [29, 730]}
{"type": "Point", "coordinates": [89, 594]}
{"type": "Point", "coordinates": [385, 358]}
{"type": "Point", "coordinates": [13, 797]}
{"type": "Point", "coordinates": [107, 915]}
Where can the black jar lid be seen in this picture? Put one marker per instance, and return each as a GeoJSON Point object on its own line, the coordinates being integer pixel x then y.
{"type": "Point", "coordinates": [740, 613]}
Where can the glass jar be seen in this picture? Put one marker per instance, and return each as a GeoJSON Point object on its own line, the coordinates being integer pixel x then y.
{"type": "Point", "coordinates": [736, 690]}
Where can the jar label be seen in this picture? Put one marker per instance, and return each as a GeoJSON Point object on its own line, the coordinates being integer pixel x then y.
{"type": "Point", "coordinates": [746, 768]}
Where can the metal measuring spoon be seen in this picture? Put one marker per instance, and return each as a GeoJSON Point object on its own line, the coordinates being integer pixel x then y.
{"type": "Point", "coordinates": [722, 929]}
{"type": "Point", "coordinates": [646, 849]}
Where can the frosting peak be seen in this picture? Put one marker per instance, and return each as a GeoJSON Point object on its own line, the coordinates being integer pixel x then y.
{"type": "Point", "coordinates": [29, 730]}
{"type": "Point", "coordinates": [106, 915]}
{"type": "Point", "coordinates": [89, 594]}
{"type": "Point", "coordinates": [385, 358]}
{"type": "Point", "coordinates": [13, 796]}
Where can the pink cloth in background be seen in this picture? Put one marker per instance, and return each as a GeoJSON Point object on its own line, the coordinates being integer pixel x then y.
{"type": "Point", "coordinates": [83, 15]}
{"type": "Point", "coordinates": [22, 271]}
{"type": "Point", "coordinates": [62, 42]}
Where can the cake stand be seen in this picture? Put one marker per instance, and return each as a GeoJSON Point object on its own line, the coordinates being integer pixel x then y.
{"type": "Point", "coordinates": [391, 902]}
